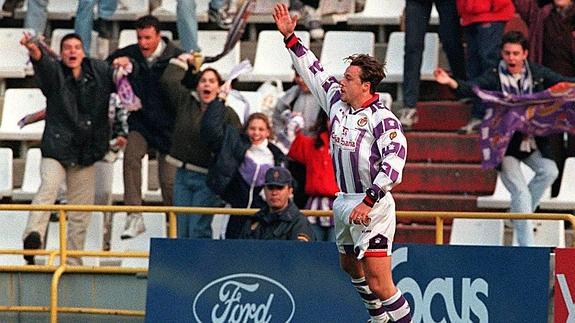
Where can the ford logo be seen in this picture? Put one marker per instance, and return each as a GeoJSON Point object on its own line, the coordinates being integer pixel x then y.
{"type": "Point", "coordinates": [244, 298]}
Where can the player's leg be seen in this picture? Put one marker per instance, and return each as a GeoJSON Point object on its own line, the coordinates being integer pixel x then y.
{"type": "Point", "coordinates": [342, 207]}
{"type": "Point", "coordinates": [379, 279]}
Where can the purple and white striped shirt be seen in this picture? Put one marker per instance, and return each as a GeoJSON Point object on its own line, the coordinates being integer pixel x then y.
{"type": "Point", "coordinates": [368, 146]}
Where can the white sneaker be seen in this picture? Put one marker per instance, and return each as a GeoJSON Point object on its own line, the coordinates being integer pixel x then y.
{"type": "Point", "coordinates": [134, 226]}
{"type": "Point", "coordinates": [408, 117]}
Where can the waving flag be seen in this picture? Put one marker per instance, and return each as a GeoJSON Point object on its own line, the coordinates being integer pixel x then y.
{"type": "Point", "coordinates": [539, 114]}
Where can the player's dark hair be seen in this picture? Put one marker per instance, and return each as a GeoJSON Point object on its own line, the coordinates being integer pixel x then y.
{"type": "Point", "coordinates": [372, 70]}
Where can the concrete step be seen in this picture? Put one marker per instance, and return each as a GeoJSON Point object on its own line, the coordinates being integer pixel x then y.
{"type": "Point", "coordinates": [446, 178]}
{"type": "Point", "coordinates": [442, 115]}
{"type": "Point", "coordinates": [442, 147]}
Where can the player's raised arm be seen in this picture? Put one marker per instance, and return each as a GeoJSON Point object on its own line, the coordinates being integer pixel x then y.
{"type": "Point", "coordinates": [284, 22]}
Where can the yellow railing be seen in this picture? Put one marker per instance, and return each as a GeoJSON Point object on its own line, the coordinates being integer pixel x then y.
{"type": "Point", "coordinates": [63, 253]}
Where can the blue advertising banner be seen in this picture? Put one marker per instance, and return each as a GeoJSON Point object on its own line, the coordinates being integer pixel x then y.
{"type": "Point", "coordinates": [472, 283]}
{"type": "Point", "coordinates": [287, 281]}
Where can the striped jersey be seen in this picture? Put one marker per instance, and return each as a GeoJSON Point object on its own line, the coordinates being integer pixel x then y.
{"type": "Point", "coordinates": [368, 145]}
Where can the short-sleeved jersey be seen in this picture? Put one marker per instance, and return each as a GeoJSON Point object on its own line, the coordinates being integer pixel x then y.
{"type": "Point", "coordinates": [369, 148]}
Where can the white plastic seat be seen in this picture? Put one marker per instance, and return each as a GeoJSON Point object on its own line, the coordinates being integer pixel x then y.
{"type": "Point", "coordinates": [167, 10]}
{"type": "Point", "coordinates": [212, 42]}
{"type": "Point", "coordinates": [155, 228]}
{"type": "Point", "coordinates": [6, 172]}
{"type": "Point", "coordinates": [15, 60]}
{"type": "Point", "coordinates": [131, 10]}
{"type": "Point", "coordinates": [378, 12]}
{"type": "Point", "coordinates": [12, 225]}
{"type": "Point", "coordinates": [57, 9]}
{"type": "Point", "coordinates": [31, 181]}
{"type": "Point", "coordinates": [58, 34]}
{"type": "Point", "coordinates": [395, 53]}
{"type": "Point", "coordinates": [337, 45]}
{"type": "Point", "coordinates": [129, 37]}
{"type": "Point", "coordinates": [549, 233]}
{"type": "Point", "coordinates": [565, 200]}
{"type": "Point", "coordinates": [272, 59]}
{"type": "Point", "coordinates": [477, 232]}
{"type": "Point", "coordinates": [17, 104]}
{"type": "Point", "coordinates": [386, 98]}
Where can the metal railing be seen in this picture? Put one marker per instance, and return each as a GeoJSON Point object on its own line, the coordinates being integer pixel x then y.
{"type": "Point", "coordinates": [63, 253]}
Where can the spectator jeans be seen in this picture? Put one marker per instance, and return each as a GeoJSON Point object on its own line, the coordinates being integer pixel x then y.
{"type": "Point", "coordinates": [84, 22]}
{"type": "Point", "coordinates": [190, 189]}
{"type": "Point", "coordinates": [525, 196]}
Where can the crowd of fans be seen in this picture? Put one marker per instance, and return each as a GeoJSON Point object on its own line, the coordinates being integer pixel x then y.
{"type": "Point", "coordinates": [207, 158]}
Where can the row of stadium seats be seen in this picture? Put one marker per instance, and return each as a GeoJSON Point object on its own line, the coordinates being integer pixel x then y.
{"type": "Point", "coordinates": [269, 63]}
{"type": "Point", "coordinates": [375, 12]}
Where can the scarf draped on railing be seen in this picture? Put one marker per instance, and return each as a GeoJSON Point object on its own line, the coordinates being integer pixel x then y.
{"type": "Point", "coordinates": [537, 114]}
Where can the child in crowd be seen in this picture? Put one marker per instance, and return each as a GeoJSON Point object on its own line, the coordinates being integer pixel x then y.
{"type": "Point", "coordinates": [241, 162]}
{"type": "Point", "coordinates": [320, 184]}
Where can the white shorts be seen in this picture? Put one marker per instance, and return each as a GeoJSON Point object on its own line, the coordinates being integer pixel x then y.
{"type": "Point", "coordinates": [376, 239]}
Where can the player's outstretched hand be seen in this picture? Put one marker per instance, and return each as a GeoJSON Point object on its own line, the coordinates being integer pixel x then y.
{"type": "Point", "coordinates": [284, 22]}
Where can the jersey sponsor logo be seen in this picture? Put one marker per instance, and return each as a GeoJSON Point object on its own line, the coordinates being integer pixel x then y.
{"type": "Point", "coordinates": [345, 138]}
{"type": "Point", "coordinates": [393, 135]}
{"type": "Point", "coordinates": [362, 121]}
{"type": "Point", "coordinates": [244, 297]}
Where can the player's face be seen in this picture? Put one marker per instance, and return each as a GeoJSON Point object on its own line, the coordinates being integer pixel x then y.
{"type": "Point", "coordinates": [208, 87]}
{"type": "Point", "coordinates": [277, 197]}
{"type": "Point", "coordinates": [514, 55]}
{"type": "Point", "coordinates": [258, 131]}
{"type": "Point", "coordinates": [351, 85]}
{"type": "Point", "coordinates": [148, 40]}
{"type": "Point", "coordinates": [72, 53]}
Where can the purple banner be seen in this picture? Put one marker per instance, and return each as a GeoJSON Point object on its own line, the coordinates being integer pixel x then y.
{"type": "Point", "coordinates": [539, 114]}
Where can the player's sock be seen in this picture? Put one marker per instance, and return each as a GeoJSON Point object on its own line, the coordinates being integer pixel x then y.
{"type": "Point", "coordinates": [397, 308]}
{"type": "Point", "coordinates": [370, 300]}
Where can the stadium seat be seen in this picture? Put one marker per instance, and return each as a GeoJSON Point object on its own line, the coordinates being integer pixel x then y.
{"type": "Point", "coordinates": [395, 53]}
{"type": "Point", "coordinates": [155, 228]}
{"type": "Point", "coordinates": [272, 60]}
{"type": "Point", "coordinates": [565, 200]}
{"type": "Point", "coordinates": [337, 45]}
{"type": "Point", "coordinates": [129, 37]}
{"type": "Point", "coordinates": [118, 178]}
{"type": "Point", "coordinates": [212, 43]}
{"type": "Point", "coordinates": [386, 98]}
{"type": "Point", "coordinates": [58, 34]}
{"type": "Point", "coordinates": [17, 104]}
{"type": "Point", "coordinates": [131, 10]}
{"type": "Point", "coordinates": [12, 225]}
{"type": "Point", "coordinates": [167, 10]}
{"type": "Point", "coordinates": [31, 181]}
{"type": "Point", "coordinates": [57, 10]}
{"type": "Point", "coordinates": [15, 61]}
{"type": "Point", "coordinates": [477, 232]}
{"type": "Point", "coordinates": [377, 12]}
{"type": "Point", "coordinates": [6, 172]}
{"type": "Point", "coordinates": [549, 233]}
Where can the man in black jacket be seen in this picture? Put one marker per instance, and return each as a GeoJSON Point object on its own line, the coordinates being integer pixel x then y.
{"type": "Point", "coordinates": [76, 134]}
{"type": "Point", "coordinates": [280, 219]}
{"type": "Point", "coordinates": [152, 125]}
{"type": "Point", "coordinates": [515, 75]}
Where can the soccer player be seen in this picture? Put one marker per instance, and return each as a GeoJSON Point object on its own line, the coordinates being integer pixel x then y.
{"type": "Point", "coordinates": [369, 151]}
